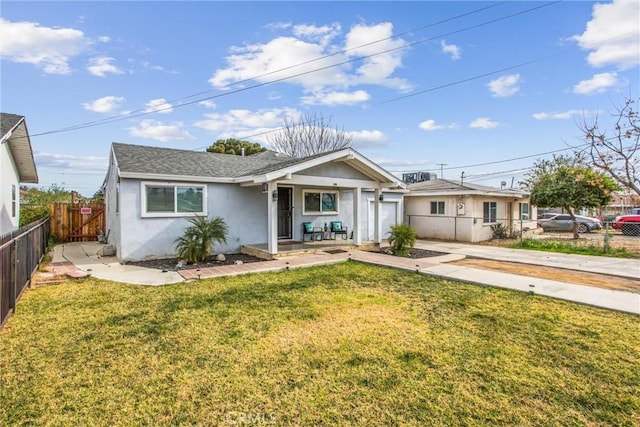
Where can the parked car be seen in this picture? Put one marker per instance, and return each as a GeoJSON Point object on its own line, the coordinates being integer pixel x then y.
{"type": "Point", "coordinates": [629, 224]}
{"type": "Point", "coordinates": [563, 222]}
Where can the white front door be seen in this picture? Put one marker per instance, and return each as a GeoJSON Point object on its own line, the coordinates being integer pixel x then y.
{"type": "Point", "coordinates": [388, 215]}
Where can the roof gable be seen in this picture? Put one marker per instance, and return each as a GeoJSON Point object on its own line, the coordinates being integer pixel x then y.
{"type": "Point", "coordinates": [13, 130]}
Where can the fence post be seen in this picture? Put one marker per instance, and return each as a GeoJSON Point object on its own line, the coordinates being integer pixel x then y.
{"type": "Point", "coordinates": [606, 237]}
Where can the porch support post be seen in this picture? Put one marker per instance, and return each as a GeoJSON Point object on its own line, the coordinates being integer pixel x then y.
{"type": "Point", "coordinates": [272, 218]}
{"type": "Point", "coordinates": [357, 213]}
{"type": "Point", "coordinates": [377, 233]}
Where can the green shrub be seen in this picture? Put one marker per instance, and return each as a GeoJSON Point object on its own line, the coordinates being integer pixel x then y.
{"type": "Point", "coordinates": [402, 239]}
{"type": "Point", "coordinates": [196, 244]}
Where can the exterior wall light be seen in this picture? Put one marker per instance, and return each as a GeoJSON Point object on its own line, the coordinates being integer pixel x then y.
{"type": "Point", "coordinates": [274, 195]}
{"type": "Point", "coordinates": [265, 187]}
{"type": "Point", "coordinates": [381, 198]}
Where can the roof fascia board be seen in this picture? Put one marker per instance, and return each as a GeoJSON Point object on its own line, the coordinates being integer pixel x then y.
{"type": "Point", "coordinates": [182, 178]}
{"type": "Point", "coordinates": [423, 193]}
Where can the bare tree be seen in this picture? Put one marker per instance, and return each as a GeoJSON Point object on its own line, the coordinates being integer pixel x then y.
{"type": "Point", "coordinates": [618, 154]}
{"type": "Point", "coordinates": [309, 135]}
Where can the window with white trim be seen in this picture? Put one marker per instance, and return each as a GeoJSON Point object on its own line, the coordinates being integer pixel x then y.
{"type": "Point", "coordinates": [319, 202]}
{"type": "Point", "coordinates": [437, 208]}
{"type": "Point", "coordinates": [173, 199]}
{"type": "Point", "coordinates": [489, 212]}
{"type": "Point", "coordinates": [524, 211]}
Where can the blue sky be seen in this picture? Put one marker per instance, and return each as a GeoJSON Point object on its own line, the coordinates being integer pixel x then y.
{"type": "Point", "coordinates": [420, 85]}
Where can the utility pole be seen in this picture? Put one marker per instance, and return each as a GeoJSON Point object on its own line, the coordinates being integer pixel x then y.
{"type": "Point", "coordinates": [462, 179]}
{"type": "Point", "coordinates": [441, 169]}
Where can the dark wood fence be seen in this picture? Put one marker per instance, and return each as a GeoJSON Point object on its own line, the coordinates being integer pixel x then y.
{"type": "Point", "coordinates": [77, 222]}
{"type": "Point", "coordinates": [20, 254]}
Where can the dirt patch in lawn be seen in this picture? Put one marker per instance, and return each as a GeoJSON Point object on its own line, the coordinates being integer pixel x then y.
{"type": "Point", "coordinates": [559, 274]}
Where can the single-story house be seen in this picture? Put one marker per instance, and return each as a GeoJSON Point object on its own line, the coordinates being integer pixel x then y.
{"type": "Point", "coordinates": [264, 198]}
{"type": "Point", "coordinates": [16, 166]}
{"type": "Point", "coordinates": [450, 210]}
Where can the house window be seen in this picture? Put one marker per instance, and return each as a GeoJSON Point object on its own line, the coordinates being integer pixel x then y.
{"type": "Point", "coordinates": [173, 199]}
{"type": "Point", "coordinates": [524, 211]}
{"type": "Point", "coordinates": [489, 212]}
{"type": "Point", "coordinates": [319, 202]}
{"type": "Point", "coordinates": [14, 201]}
{"type": "Point", "coordinates": [437, 208]}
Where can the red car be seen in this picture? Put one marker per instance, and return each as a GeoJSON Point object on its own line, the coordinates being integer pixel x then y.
{"type": "Point", "coordinates": [629, 224]}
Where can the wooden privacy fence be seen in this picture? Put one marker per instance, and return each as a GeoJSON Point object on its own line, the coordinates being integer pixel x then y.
{"type": "Point", "coordinates": [20, 254]}
{"type": "Point", "coordinates": [77, 222]}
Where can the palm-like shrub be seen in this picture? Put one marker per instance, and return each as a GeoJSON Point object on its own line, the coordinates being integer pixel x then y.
{"type": "Point", "coordinates": [402, 239]}
{"type": "Point", "coordinates": [196, 244]}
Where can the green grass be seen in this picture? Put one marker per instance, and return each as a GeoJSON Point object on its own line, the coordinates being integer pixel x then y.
{"type": "Point", "coordinates": [348, 344]}
{"type": "Point", "coordinates": [573, 248]}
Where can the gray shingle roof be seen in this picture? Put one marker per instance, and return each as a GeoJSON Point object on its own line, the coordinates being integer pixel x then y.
{"type": "Point", "coordinates": [170, 161]}
{"type": "Point", "coordinates": [445, 185]}
{"type": "Point", "coordinates": [8, 122]}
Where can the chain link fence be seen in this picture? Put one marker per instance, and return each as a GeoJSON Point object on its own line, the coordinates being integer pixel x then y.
{"type": "Point", "coordinates": [509, 231]}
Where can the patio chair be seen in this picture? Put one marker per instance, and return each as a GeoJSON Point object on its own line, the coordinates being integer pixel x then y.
{"type": "Point", "coordinates": [338, 228]}
{"type": "Point", "coordinates": [314, 233]}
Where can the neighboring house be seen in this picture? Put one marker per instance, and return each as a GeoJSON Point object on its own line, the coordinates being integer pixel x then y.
{"type": "Point", "coordinates": [264, 198]}
{"type": "Point", "coordinates": [16, 166]}
{"type": "Point", "coordinates": [449, 210]}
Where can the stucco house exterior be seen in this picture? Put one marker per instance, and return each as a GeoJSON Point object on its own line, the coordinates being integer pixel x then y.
{"type": "Point", "coordinates": [16, 166]}
{"type": "Point", "coordinates": [450, 210]}
{"type": "Point", "coordinates": [264, 198]}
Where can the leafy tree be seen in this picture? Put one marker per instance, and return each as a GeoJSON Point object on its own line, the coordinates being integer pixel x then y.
{"type": "Point", "coordinates": [235, 146]}
{"type": "Point", "coordinates": [402, 238]}
{"type": "Point", "coordinates": [35, 202]}
{"type": "Point", "coordinates": [309, 135]}
{"type": "Point", "coordinates": [548, 166]}
{"type": "Point", "coordinates": [572, 187]}
{"type": "Point", "coordinates": [197, 242]}
{"type": "Point", "coordinates": [616, 153]}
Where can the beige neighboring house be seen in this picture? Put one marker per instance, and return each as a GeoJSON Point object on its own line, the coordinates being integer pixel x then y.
{"type": "Point", "coordinates": [16, 166]}
{"type": "Point", "coordinates": [449, 210]}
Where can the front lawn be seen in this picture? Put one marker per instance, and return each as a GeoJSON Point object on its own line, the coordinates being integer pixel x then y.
{"type": "Point", "coordinates": [348, 344]}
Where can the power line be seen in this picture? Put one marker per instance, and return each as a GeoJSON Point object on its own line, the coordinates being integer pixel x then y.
{"type": "Point", "coordinates": [142, 112]}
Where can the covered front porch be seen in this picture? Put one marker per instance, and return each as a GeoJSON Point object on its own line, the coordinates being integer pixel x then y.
{"type": "Point", "coordinates": [339, 193]}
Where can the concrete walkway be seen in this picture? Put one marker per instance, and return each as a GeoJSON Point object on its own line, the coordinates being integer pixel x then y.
{"type": "Point", "coordinates": [85, 260]}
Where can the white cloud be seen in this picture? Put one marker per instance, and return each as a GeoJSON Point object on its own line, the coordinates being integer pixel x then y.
{"type": "Point", "coordinates": [613, 34]}
{"type": "Point", "coordinates": [67, 162]}
{"type": "Point", "coordinates": [450, 49]}
{"type": "Point", "coordinates": [564, 115]}
{"type": "Point", "coordinates": [504, 86]}
{"type": "Point", "coordinates": [207, 104]}
{"type": "Point", "coordinates": [261, 61]}
{"type": "Point", "coordinates": [599, 83]}
{"type": "Point", "coordinates": [364, 40]}
{"type": "Point", "coordinates": [106, 104]}
{"type": "Point", "coordinates": [323, 34]}
{"type": "Point", "coordinates": [246, 120]}
{"type": "Point", "coordinates": [336, 98]}
{"type": "Point", "coordinates": [367, 138]}
{"type": "Point", "coordinates": [100, 66]}
{"type": "Point", "coordinates": [104, 39]}
{"type": "Point", "coordinates": [159, 105]}
{"type": "Point", "coordinates": [50, 49]}
{"type": "Point", "coordinates": [484, 123]}
{"type": "Point", "coordinates": [153, 129]}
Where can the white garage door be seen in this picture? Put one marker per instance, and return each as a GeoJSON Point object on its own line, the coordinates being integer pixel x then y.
{"type": "Point", "coordinates": [389, 212]}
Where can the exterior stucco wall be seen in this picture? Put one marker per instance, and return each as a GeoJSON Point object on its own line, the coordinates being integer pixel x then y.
{"type": "Point", "coordinates": [9, 177]}
{"type": "Point", "coordinates": [243, 209]}
{"type": "Point", "coordinates": [468, 226]}
{"type": "Point", "coordinates": [335, 170]}
{"type": "Point", "coordinates": [111, 195]}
